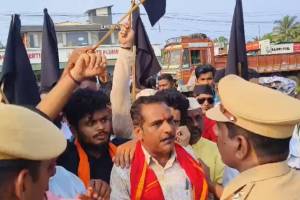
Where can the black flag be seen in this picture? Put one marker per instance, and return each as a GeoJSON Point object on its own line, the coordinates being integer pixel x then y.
{"type": "Point", "coordinates": [20, 86]}
{"type": "Point", "coordinates": [237, 55]}
{"type": "Point", "coordinates": [50, 61]}
{"type": "Point", "coordinates": [155, 10]}
{"type": "Point", "coordinates": [146, 61]}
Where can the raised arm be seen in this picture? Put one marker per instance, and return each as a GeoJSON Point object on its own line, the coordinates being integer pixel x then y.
{"type": "Point", "coordinates": [120, 93]}
{"type": "Point", "coordinates": [86, 65]}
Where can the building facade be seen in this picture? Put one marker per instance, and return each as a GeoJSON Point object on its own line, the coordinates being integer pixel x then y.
{"type": "Point", "coordinates": [71, 35]}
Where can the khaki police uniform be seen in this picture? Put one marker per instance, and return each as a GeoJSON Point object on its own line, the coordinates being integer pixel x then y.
{"type": "Point", "coordinates": [268, 113]}
{"type": "Point", "coordinates": [26, 135]}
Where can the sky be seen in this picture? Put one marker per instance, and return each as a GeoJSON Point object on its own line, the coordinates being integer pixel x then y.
{"type": "Point", "coordinates": [183, 17]}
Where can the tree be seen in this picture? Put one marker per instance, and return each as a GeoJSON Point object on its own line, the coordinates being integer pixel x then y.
{"type": "Point", "coordinates": [222, 40]}
{"type": "Point", "coordinates": [268, 36]}
{"type": "Point", "coordinates": [272, 37]}
{"type": "Point", "coordinates": [286, 29]}
{"type": "Point", "coordinates": [296, 34]}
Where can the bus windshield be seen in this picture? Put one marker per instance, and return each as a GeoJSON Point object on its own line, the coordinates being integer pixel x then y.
{"type": "Point", "coordinates": [186, 58]}
{"type": "Point", "coordinates": [165, 59]}
{"type": "Point", "coordinates": [175, 56]}
{"type": "Point", "coordinates": [195, 57]}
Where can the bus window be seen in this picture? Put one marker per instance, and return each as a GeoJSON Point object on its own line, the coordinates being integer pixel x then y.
{"type": "Point", "coordinates": [195, 57]}
{"type": "Point", "coordinates": [165, 59]}
{"type": "Point", "coordinates": [175, 57]}
{"type": "Point", "coordinates": [186, 59]}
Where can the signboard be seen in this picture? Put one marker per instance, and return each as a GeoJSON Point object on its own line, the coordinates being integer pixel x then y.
{"type": "Point", "coordinates": [265, 47]}
{"type": "Point", "coordinates": [198, 44]}
{"type": "Point", "coordinates": [110, 51]}
{"type": "Point", "coordinates": [252, 46]}
{"type": "Point", "coordinates": [296, 47]}
{"type": "Point", "coordinates": [175, 40]}
{"type": "Point", "coordinates": [282, 48]}
{"type": "Point", "coordinates": [34, 55]}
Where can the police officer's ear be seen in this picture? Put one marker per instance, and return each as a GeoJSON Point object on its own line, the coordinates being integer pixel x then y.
{"type": "Point", "coordinates": [22, 184]}
{"type": "Point", "coordinates": [138, 132]}
{"type": "Point", "coordinates": [243, 147]}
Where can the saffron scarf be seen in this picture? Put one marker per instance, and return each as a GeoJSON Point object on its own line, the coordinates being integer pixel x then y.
{"type": "Point", "coordinates": [83, 170]}
{"type": "Point", "coordinates": [145, 186]}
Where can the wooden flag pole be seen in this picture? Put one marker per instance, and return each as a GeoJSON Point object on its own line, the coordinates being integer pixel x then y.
{"type": "Point", "coordinates": [108, 34]}
{"type": "Point", "coordinates": [240, 69]}
{"type": "Point", "coordinates": [134, 74]}
{"type": "Point", "coordinates": [133, 93]}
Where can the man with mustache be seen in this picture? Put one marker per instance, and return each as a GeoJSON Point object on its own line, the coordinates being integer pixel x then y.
{"type": "Point", "coordinates": [160, 169]}
{"type": "Point", "coordinates": [205, 150]}
{"type": "Point", "coordinates": [254, 137]}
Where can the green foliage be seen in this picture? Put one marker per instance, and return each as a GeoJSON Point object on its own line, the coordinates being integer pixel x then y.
{"type": "Point", "coordinates": [285, 30]}
{"type": "Point", "coordinates": [222, 40]}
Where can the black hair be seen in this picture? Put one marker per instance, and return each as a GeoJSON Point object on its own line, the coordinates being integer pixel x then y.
{"type": "Point", "coordinates": [136, 108]}
{"type": "Point", "coordinates": [150, 82]}
{"type": "Point", "coordinates": [264, 146]}
{"type": "Point", "coordinates": [203, 69]}
{"type": "Point", "coordinates": [168, 77]}
{"type": "Point", "coordinates": [9, 170]}
{"type": "Point", "coordinates": [84, 102]}
{"type": "Point", "coordinates": [177, 101]}
{"type": "Point", "coordinates": [203, 89]}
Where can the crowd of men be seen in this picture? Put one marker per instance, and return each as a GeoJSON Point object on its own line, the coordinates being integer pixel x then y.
{"type": "Point", "coordinates": [227, 138]}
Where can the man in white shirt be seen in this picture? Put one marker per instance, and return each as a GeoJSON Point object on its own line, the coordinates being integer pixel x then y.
{"type": "Point", "coordinates": [160, 169]}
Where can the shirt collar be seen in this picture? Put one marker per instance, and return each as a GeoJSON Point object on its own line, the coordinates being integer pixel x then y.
{"type": "Point", "coordinates": [151, 160]}
{"type": "Point", "coordinates": [255, 174]}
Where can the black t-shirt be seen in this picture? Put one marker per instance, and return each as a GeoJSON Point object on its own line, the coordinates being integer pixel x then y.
{"type": "Point", "coordinates": [100, 168]}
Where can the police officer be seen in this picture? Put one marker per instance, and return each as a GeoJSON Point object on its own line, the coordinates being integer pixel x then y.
{"type": "Point", "coordinates": [255, 125]}
{"type": "Point", "coordinates": [29, 145]}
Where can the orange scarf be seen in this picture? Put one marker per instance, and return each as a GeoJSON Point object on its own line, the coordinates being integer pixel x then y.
{"type": "Point", "coordinates": [83, 170]}
{"type": "Point", "coordinates": [145, 186]}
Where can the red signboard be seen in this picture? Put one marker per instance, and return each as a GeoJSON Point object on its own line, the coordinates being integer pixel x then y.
{"type": "Point", "coordinates": [296, 47]}
{"type": "Point", "coordinates": [252, 46]}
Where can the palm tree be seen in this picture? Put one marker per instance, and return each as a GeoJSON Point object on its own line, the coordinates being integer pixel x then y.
{"type": "Point", "coordinates": [296, 34]}
{"type": "Point", "coordinates": [268, 36]}
{"type": "Point", "coordinates": [285, 28]}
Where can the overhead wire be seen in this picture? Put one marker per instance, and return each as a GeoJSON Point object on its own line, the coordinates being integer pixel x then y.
{"type": "Point", "coordinates": [208, 18]}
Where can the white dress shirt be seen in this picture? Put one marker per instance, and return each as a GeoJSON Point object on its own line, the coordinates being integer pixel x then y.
{"type": "Point", "coordinates": [294, 156]}
{"type": "Point", "coordinates": [65, 184]}
{"type": "Point", "coordinates": [174, 182]}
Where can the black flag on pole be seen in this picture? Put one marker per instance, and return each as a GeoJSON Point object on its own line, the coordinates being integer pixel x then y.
{"type": "Point", "coordinates": [237, 55]}
{"type": "Point", "coordinates": [50, 61]}
{"type": "Point", "coordinates": [155, 10]}
{"type": "Point", "coordinates": [146, 61]}
{"type": "Point", "coordinates": [20, 86]}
